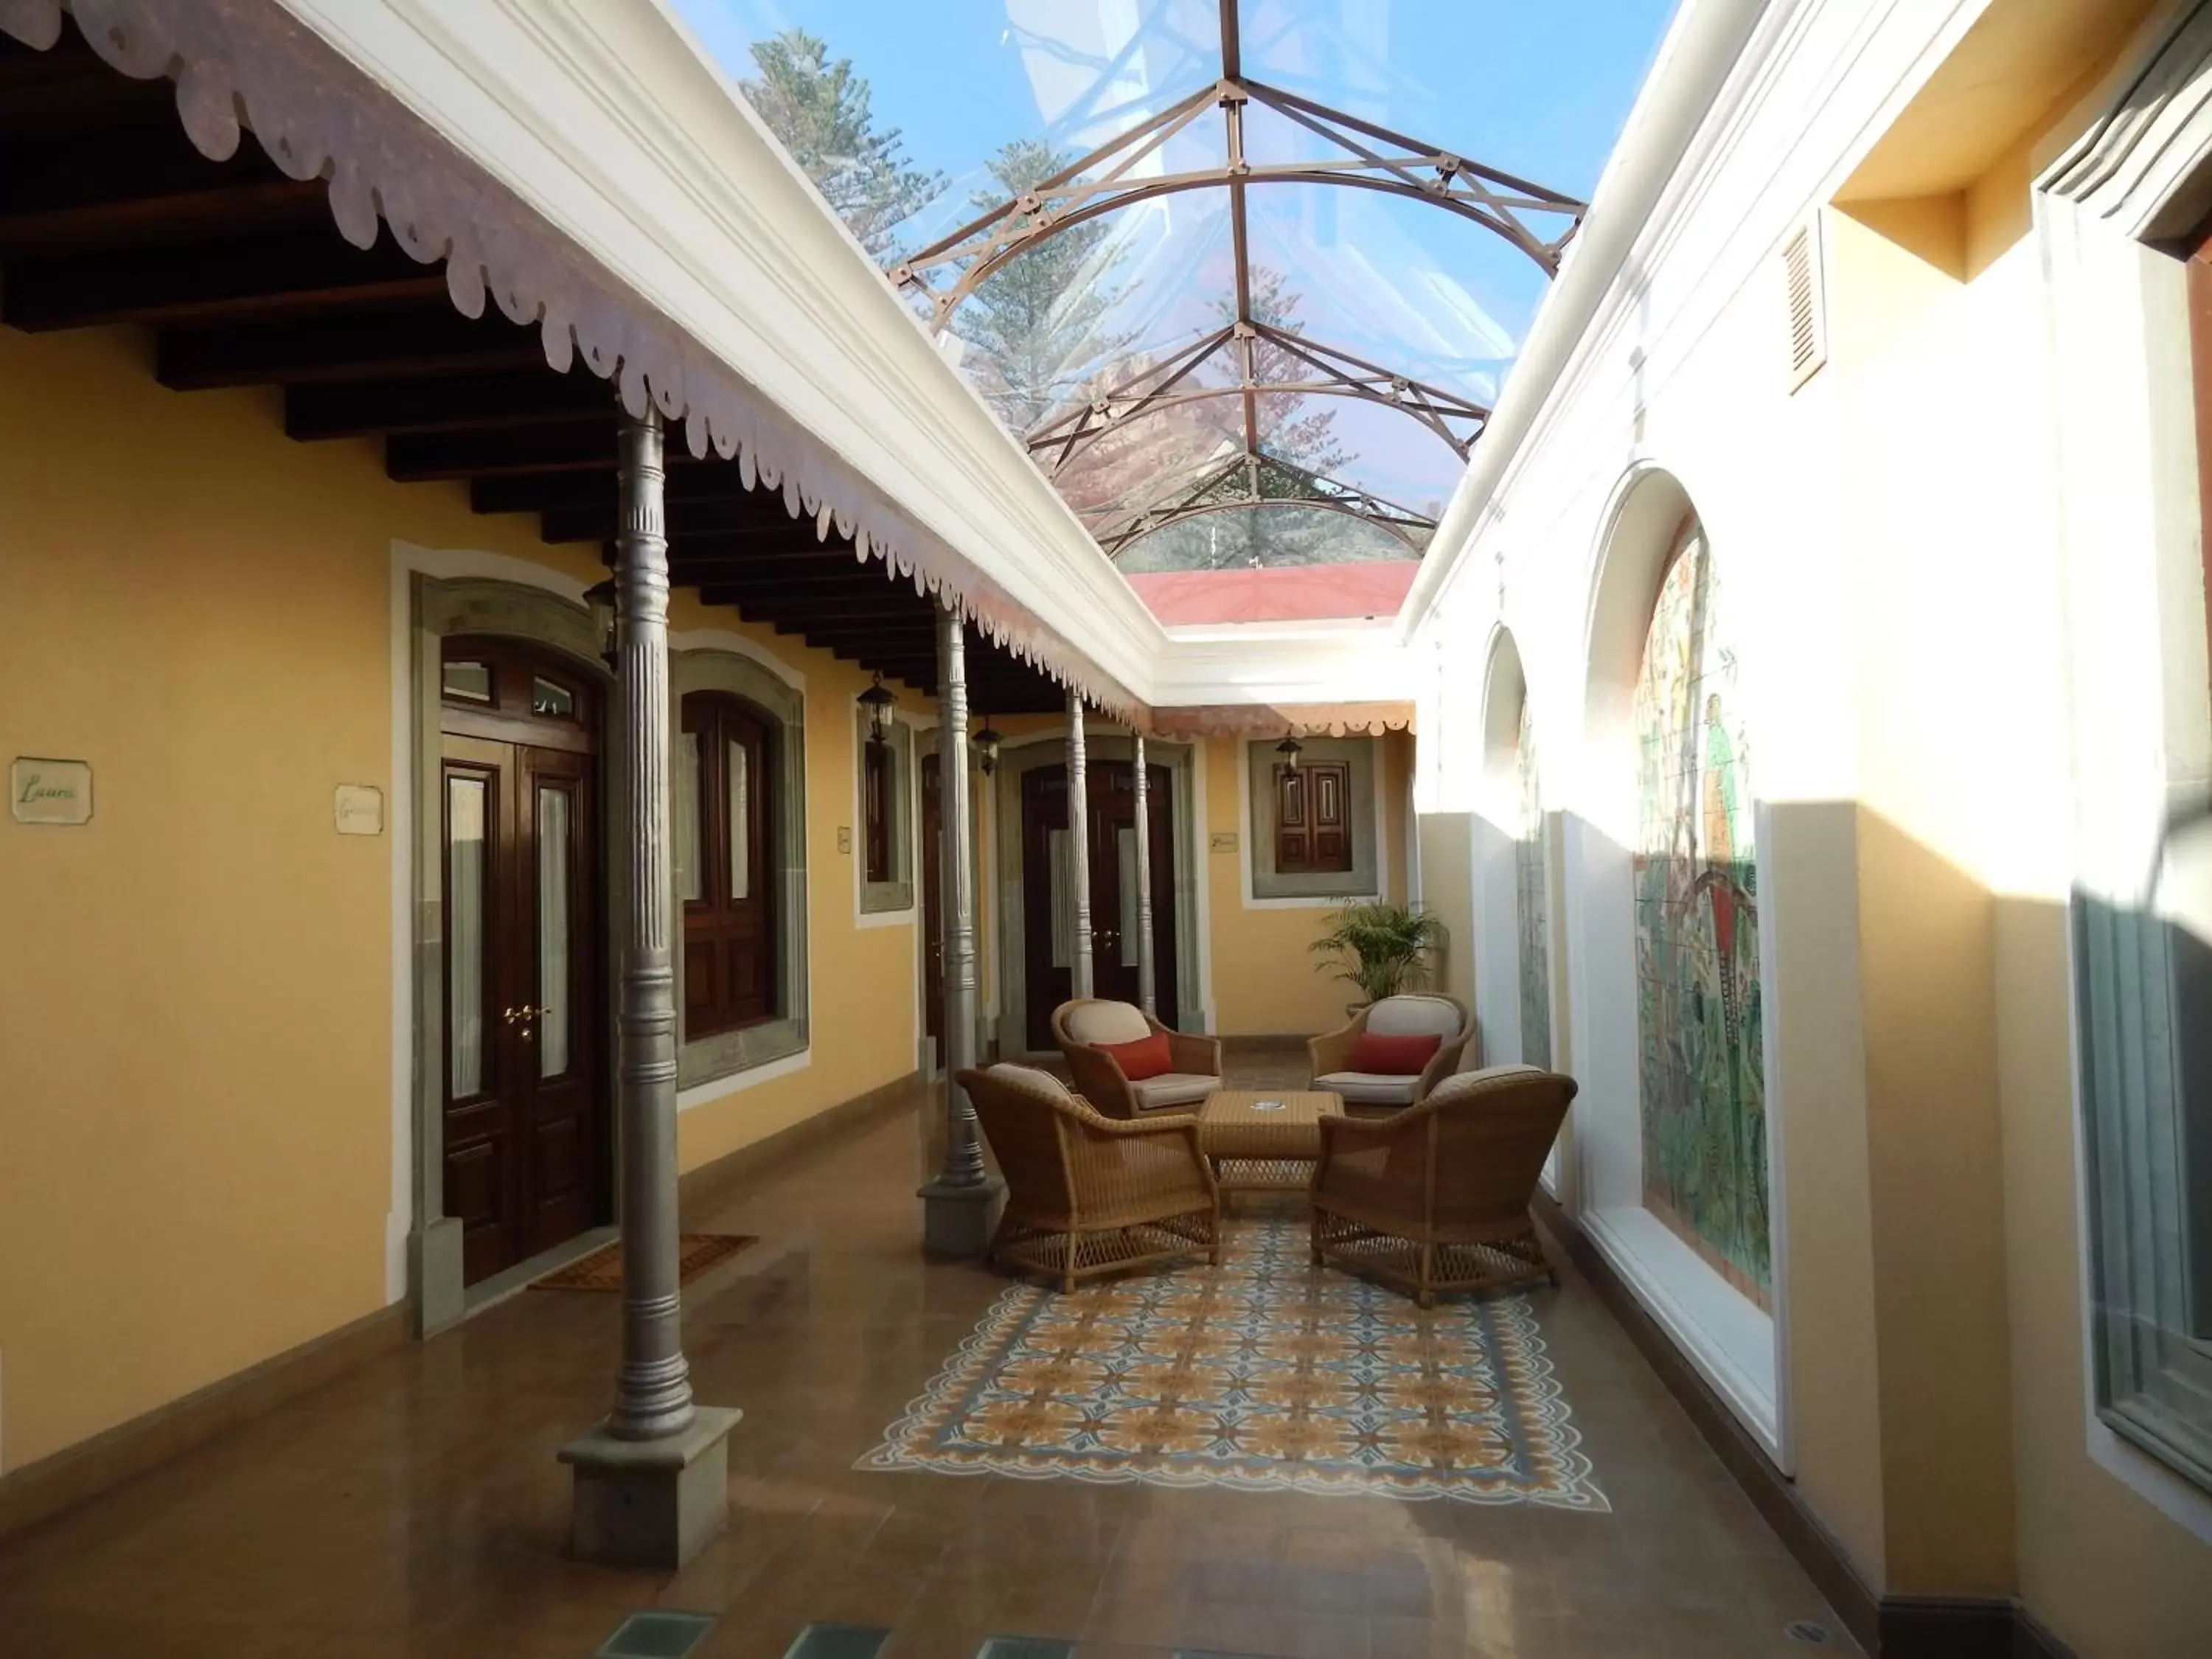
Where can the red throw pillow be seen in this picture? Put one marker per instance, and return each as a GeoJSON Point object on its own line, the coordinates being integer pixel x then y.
{"type": "Point", "coordinates": [1393, 1056]}
{"type": "Point", "coordinates": [1145, 1057]}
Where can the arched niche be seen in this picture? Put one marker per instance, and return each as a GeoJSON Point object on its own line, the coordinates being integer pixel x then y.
{"type": "Point", "coordinates": [1513, 946]}
{"type": "Point", "coordinates": [1673, 1167]}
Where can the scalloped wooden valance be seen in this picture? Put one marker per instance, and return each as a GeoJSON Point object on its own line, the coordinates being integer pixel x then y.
{"type": "Point", "coordinates": [250, 65]}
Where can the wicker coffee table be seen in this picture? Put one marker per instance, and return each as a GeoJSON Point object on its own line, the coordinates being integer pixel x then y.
{"type": "Point", "coordinates": [1264, 1140]}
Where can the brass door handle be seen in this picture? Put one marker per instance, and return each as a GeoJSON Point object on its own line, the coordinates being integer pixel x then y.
{"type": "Point", "coordinates": [525, 1014]}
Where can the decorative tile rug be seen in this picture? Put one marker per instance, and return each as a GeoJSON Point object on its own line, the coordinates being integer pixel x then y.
{"type": "Point", "coordinates": [1266, 1373]}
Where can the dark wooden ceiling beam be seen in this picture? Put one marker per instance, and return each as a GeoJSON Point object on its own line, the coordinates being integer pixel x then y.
{"type": "Point", "coordinates": [431, 339]}
{"type": "Point", "coordinates": [259, 277]}
{"type": "Point", "coordinates": [544, 492]}
{"type": "Point", "coordinates": [134, 155]}
{"type": "Point", "coordinates": [421, 457]}
{"type": "Point", "coordinates": [746, 552]}
{"type": "Point", "coordinates": [165, 219]}
{"type": "Point", "coordinates": [743, 518]}
{"type": "Point", "coordinates": [69, 90]}
{"type": "Point", "coordinates": [915, 636]}
{"type": "Point", "coordinates": [785, 573]}
{"type": "Point", "coordinates": [804, 560]}
{"type": "Point", "coordinates": [465, 403]}
{"type": "Point", "coordinates": [761, 600]}
{"type": "Point", "coordinates": [795, 618]}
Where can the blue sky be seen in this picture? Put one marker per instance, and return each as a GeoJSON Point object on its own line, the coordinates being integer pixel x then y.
{"type": "Point", "coordinates": [1535, 87]}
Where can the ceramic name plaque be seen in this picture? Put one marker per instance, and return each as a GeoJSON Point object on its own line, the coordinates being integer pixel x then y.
{"type": "Point", "coordinates": [41, 791]}
{"type": "Point", "coordinates": [359, 809]}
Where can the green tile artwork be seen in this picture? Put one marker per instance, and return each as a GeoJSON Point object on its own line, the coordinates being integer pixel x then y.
{"type": "Point", "coordinates": [1698, 1017]}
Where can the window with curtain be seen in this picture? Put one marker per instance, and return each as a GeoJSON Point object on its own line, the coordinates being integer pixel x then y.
{"type": "Point", "coordinates": [720, 784]}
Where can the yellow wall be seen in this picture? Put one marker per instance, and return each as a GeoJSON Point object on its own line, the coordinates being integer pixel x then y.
{"type": "Point", "coordinates": [195, 1002]}
{"type": "Point", "coordinates": [1266, 979]}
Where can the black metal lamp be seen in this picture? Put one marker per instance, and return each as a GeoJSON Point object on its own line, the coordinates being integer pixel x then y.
{"type": "Point", "coordinates": [1289, 748]}
{"type": "Point", "coordinates": [879, 704]}
{"type": "Point", "coordinates": [986, 743]}
{"type": "Point", "coordinates": [600, 598]}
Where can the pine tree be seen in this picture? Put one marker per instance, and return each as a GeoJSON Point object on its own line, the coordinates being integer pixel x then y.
{"type": "Point", "coordinates": [1037, 322]}
{"type": "Point", "coordinates": [822, 114]}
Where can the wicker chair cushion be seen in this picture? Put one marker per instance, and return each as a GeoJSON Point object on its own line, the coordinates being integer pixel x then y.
{"type": "Point", "coordinates": [1172, 1089]}
{"type": "Point", "coordinates": [1460, 1083]}
{"type": "Point", "coordinates": [1393, 1055]}
{"type": "Point", "coordinates": [1146, 1057]}
{"type": "Point", "coordinates": [1106, 1023]}
{"type": "Point", "coordinates": [1370, 1088]}
{"type": "Point", "coordinates": [1029, 1077]}
{"type": "Point", "coordinates": [1413, 1017]}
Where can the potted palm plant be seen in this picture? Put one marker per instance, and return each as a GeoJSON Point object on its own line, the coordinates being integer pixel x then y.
{"type": "Point", "coordinates": [1381, 947]}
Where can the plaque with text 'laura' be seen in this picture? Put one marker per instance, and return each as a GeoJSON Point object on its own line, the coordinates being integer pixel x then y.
{"type": "Point", "coordinates": [42, 791]}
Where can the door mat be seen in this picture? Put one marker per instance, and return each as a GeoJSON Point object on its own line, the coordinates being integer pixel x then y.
{"type": "Point", "coordinates": [602, 1269]}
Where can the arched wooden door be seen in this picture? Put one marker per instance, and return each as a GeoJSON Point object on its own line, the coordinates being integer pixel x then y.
{"type": "Point", "coordinates": [526, 1163]}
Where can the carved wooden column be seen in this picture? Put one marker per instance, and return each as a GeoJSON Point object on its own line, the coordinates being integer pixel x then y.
{"type": "Point", "coordinates": [1078, 843]}
{"type": "Point", "coordinates": [959, 1206]}
{"type": "Point", "coordinates": [1147, 988]}
{"type": "Point", "coordinates": [651, 1480]}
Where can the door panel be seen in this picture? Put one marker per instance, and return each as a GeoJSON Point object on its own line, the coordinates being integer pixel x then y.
{"type": "Point", "coordinates": [559, 1053]}
{"type": "Point", "coordinates": [524, 1123]}
{"type": "Point", "coordinates": [479, 1123]}
{"type": "Point", "coordinates": [1048, 906]}
{"type": "Point", "coordinates": [725, 878]}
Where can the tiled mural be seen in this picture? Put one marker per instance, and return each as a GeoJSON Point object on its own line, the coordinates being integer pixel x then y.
{"type": "Point", "coordinates": [1532, 908]}
{"type": "Point", "coordinates": [1704, 1091]}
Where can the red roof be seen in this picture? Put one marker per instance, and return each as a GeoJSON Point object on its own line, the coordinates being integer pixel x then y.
{"type": "Point", "coordinates": [1302, 593]}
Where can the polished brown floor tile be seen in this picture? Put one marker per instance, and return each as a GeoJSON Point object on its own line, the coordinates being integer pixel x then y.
{"type": "Point", "coordinates": [415, 1507]}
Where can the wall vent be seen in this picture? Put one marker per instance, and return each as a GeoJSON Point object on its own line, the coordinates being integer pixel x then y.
{"type": "Point", "coordinates": [1807, 302]}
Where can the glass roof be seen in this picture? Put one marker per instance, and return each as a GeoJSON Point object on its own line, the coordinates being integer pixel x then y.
{"type": "Point", "coordinates": [1246, 276]}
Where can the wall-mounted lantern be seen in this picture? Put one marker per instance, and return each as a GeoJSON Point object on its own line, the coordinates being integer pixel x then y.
{"type": "Point", "coordinates": [986, 743]}
{"type": "Point", "coordinates": [600, 597]}
{"type": "Point", "coordinates": [879, 704]}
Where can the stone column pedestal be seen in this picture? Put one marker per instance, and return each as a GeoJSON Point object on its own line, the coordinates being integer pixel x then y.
{"type": "Point", "coordinates": [651, 1502]}
{"type": "Point", "coordinates": [957, 1218]}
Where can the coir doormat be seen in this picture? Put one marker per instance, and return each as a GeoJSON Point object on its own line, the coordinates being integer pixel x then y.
{"type": "Point", "coordinates": [602, 1269]}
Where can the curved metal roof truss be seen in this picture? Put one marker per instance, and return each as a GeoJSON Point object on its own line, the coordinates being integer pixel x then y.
{"type": "Point", "coordinates": [1364, 157]}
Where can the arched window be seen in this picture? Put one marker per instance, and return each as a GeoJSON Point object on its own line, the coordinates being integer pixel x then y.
{"type": "Point", "coordinates": [724, 813]}
{"type": "Point", "coordinates": [1696, 893]}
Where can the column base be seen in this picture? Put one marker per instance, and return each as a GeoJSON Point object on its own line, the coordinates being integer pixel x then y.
{"type": "Point", "coordinates": [958, 1221]}
{"type": "Point", "coordinates": [650, 1502]}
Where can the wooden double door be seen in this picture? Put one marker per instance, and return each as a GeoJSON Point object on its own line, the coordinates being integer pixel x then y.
{"type": "Point", "coordinates": [527, 1141]}
{"type": "Point", "coordinates": [1048, 890]}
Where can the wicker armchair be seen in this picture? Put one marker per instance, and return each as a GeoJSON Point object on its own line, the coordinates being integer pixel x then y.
{"type": "Point", "coordinates": [1083, 1027]}
{"type": "Point", "coordinates": [1436, 1197]}
{"type": "Point", "coordinates": [1086, 1194]}
{"type": "Point", "coordinates": [1428, 1012]}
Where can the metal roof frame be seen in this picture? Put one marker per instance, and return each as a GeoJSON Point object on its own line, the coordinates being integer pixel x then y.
{"type": "Point", "coordinates": [1373, 158]}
